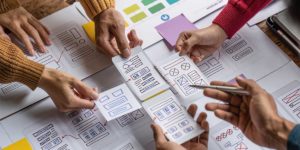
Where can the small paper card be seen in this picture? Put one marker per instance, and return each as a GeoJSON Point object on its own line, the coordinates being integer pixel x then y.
{"type": "Point", "coordinates": [166, 111]}
{"type": "Point", "coordinates": [181, 72]}
{"type": "Point", "coordinates": [140, 74]}
{"type": "Point", "coordinates": [117, 102]}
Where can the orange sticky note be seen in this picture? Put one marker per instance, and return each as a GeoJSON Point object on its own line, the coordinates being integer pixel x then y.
{"type": "Point", "coordinates": [22, 144]}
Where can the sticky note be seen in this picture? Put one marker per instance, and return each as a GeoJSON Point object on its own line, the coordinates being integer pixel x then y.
{"type": "Point", "coordinates": [171, 29]}
{"type": "Point", "coordinates": [89, 29]}
{"type": "Point", "coordinates": [166, 111]}
{"type": "Point", "coordinates": [156, 8]}
{"type": "Point", "coordinates": [138, 17]}
{"type": "Point", "coordinates": [117, 102]}
{"type": "Point", "coordinates": [131, 9]}
{"type": "Point", "coordinates": [22, 144]}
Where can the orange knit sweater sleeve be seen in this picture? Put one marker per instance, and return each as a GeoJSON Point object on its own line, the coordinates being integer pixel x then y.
{"type": "Point", "coordinates": [16, 67]}
{"type": "Point", "coordinates": [94, 7]}
{"type": "Point", "coordinates": [7, 5]}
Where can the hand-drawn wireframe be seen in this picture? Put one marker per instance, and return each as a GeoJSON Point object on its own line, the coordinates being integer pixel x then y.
{"type": "Point", "coordinates": [166, 111]}
{"type": "Point", "coordinates": [117, 102]}
{"type": "Point", "coordinates": [289, 98]}
{"type": "Point", "coordinates": [181, 72]}
{"type": "Point", "coordinates": [140, 74]}
{"type": "Point", "coordinates": [48, 137]}
{"type": "Point", "coordinates": [230, 137]}
{"type": "Point", "coordinates": [87, 126]}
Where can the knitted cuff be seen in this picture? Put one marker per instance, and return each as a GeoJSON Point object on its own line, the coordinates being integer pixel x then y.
{"type": "Point", "coordinates": [95, 7]}
{"type": "Point", "coordinates": [7, 5]}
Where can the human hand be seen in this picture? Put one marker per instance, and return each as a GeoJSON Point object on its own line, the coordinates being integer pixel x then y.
{"type": "Point", "coordinates": [67, 92]}
{"type": "Point", "coordinates": [26, 26]}
{"type": "Point", "coordinates": [200, 43]}
{"type": "Point", "coordinates": [110, 34]}
{"type": "Point", "coordinates": [256, 115]}
{"type": "Point", "coordinates": [198, 143]}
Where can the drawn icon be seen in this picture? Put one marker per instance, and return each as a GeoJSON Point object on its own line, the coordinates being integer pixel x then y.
{"type": "Point", "coordinates": [174, 72]}
{"type": "Point", "coordinates": [185, 66]}
{"type": "Point", "coordinates": [117, 93]}
{"type": "Point", "coordinates": [127, 65]}
{"type": "Point", "coordinates": [241, 146]}
{"type": "Point", "coordinates": [165, 17]}
{"type": "Point", "coordinates": [182, 81]}
{"type": "Point", "coordinates": [137, 114]}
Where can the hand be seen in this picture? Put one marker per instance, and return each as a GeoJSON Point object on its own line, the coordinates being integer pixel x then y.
{"type": "Point", "coordinates": [197, 143]}
{"type": "Point", "coordinates": [201, 43]}
{"type": "Point", "coordinates": [3, 34]}
{"type": "Point", "coordinates": [110, 34]}
{"type": "Point", "coordinates": [25, 26]}
{"type": "Point", "coordinates": [256, 115]}
{"type": "Point", "coordinates": [67, 93]}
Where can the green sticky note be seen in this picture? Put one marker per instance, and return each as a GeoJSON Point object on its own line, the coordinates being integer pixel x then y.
{"type": "Point", "coordinates": [156, 8]}
{"type": "Point", "coordinates": [147, 2]}
{"type": "Point", "coordinates": [138, 17]}
{"type": "Point", "coordinates": [172, 1]}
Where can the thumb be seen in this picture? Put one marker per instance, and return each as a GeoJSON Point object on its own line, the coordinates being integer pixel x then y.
{"type": "Point", "coordinates": [189, 43]}
{"type": "Point", "coordinates": [158, 134]}
{"type": "Point", "coordinates": [84, 90]}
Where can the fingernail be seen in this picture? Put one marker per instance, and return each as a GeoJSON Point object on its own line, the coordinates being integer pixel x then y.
{"type": "Point", "coordinates": [240, 78]}
{"type": "Point", "coordinates": [94, 95]}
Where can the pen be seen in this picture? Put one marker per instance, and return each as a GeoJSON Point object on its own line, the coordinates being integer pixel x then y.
{"type": "Point", "coordinates": [228, 89]}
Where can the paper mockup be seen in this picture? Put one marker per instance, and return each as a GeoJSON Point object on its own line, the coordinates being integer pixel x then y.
{"type": "Point", "coordinates": [181, 72]}
{"type": "Point", "coordinates": [140, 74]}
{"type": "Point", "coordinates": [166, 111]}
{"type": "Point", "coordinates": [117, 102]}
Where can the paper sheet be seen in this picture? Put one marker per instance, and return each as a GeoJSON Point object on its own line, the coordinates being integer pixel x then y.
{"type": "Point", "coordinates": [181, 72]}
{"type": "Point", "coordinates": [229, 137]}
{"type": "Point", "coordinates": [170, 30]}
{"type": "Point", "coordinates": [71, 52]}
{"type": "Point", "coordinates": [117, 102]}
{"type": "Point", "coordinates": [140, 74]}
{"type": "Point", "coordinates": [166, 111]}
{"type": "Point", "coordinates": [144, 16]}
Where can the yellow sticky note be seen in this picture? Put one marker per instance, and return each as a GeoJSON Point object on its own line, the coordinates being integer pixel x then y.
{"type": "Point", "coordinates": [22, 144]}
{"type": "Point", "coordinates": [89, 29]}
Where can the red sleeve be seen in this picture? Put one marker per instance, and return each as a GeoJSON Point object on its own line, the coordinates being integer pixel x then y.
{"type": "Point", "coordinates": [237, 13]}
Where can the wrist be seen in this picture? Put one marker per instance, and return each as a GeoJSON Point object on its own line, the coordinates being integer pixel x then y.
{"type": "Point", "coordinates": [46, 78]}
{"type": "Point", "coordinates": [222, 34]}
{"type": "Point", "coordinates": [279, 129]}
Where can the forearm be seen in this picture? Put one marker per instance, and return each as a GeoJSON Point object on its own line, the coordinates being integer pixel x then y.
{"type": "Point", "coordinates": [15, 67]}
{"type": "Point", "coordinates": [237, 13]}
{"type": "Point", "coordinates": [95, 7]}
{"type": "Point", "coordinates": [7, 5]}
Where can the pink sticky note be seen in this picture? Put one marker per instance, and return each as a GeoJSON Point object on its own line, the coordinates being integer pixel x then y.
{"type": "Point", "coordinates": [171, 29]}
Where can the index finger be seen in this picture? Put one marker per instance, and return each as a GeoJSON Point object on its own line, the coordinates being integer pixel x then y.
{"type": "Point", "coordinates": [122, 42]}
{"type": "Point", "coordinates": [180, 41]}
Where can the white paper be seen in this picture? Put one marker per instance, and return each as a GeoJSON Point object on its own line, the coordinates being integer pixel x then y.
{"type": "Point", "coordinates": [71, 51]}
{"type": "Point", "coordinates": [4, 139]}
{"type": "Point", "coordinates": [117, 102]}
{"type": "Point", "coordinates": [229, 137]}
{"type": "Point", "coordinates": [166, 111]}
{"type": "Point", "coordinates": [181, 72]}
{"type": "Point", "coordinates": [273, 8]}
{"type": "Point", "coordinates": [140, 74]}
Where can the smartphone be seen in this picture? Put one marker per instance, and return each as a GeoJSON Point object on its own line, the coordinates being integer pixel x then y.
{"type": "Point", "coordinates": [287, 28]}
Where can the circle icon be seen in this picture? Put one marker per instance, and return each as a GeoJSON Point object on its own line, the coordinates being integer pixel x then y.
{"type": "Point", "coordinates": [165, 17]}
{"type": "Point", "coordinates": [174, 72]}
{"type": "Point", "coordinates": [185, 66]}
